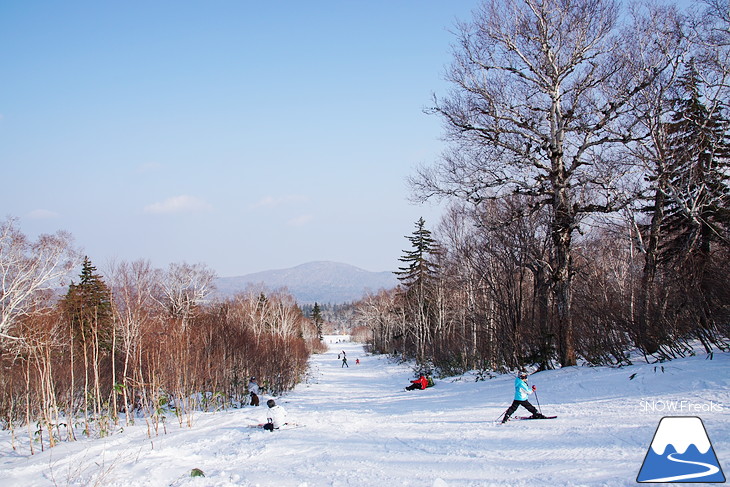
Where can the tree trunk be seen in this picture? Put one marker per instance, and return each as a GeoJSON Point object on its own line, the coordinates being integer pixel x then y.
{"type": "Point", "coordinates": [562, 229]}
{"type": "Point", "coordinates": [541, 290]}
{"type": "Point", "coordinates": [647, 333]}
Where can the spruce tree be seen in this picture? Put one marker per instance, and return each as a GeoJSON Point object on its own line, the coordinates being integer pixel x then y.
{"type": "Point", "coordinates": [690, 218]}
{"type": "Point", "coordinates": [317, 318]}
{"type": "Point", "coordinates": [88, 308]}
{"type": "Point", "coordinates": [419, 277]}
{"type": "Point", "coordinates": [697, 210]}
{"type": "Point", "coordinates": [419, 270]}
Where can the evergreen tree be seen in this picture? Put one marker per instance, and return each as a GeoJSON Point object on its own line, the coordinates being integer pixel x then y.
{"type": "Point", "coordinates": [419, 277]}
{"type": "Point", "coordinates": [317, 318]}
{"type": "Point", "coordinates": [88, 308]}
{"type": "Point", "coordinates": [690, 217]}
{"type": "Point", "coordinates": [419, 270]}
{"type": "Point", "coordinates": [697, 210]}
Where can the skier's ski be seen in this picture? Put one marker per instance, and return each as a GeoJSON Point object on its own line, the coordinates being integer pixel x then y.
{"type": "Point", "coordinates": [523, 418]}
{"type": "Point", "coordinates": [287, 426]}
{"type": "Point", "coordinates": [520, 418]}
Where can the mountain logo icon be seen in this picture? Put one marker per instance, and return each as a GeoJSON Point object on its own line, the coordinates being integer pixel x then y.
{"type": "Point", "coordinates": [681, 452]}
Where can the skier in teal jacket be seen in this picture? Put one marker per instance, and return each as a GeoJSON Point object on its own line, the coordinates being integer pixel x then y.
{"type": "Point", "coordinates": [522, 390]}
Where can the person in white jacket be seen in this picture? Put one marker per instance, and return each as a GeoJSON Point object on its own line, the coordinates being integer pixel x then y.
{"type": "Point", "coordinates": [276, 417]}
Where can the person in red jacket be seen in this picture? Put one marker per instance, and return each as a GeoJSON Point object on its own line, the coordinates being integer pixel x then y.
{"type": "Point", "coordinates": [420, 383]}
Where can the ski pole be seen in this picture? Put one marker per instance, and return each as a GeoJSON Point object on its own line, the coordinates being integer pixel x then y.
{"type": "Point", "coordinates": [501, 415]}
{"type": "Point", "coordinates": [537, 399]}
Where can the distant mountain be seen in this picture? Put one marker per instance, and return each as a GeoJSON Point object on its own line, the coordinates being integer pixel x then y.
{"type": "Point", "coordinates": [322, 282]}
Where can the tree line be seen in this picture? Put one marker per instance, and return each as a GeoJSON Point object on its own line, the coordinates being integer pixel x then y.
{"type": "Point", "coordinates": [137, 344]}
{"type": "Point", "coordinates": [331, 318]}
{"type": "Point", "coordinates": [588, 182]}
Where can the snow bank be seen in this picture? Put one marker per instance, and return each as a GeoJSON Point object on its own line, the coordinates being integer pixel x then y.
{"type": "Point", "coordinates": [362, 429]}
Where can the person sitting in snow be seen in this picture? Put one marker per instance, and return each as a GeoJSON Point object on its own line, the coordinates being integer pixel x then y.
{"type": "Point", "coordinates": [276, 416]}
{"type": "Point", "coordinates": [420, 383]}
{"type": "Point", "coordinates": [522, 390]}
{"type": "Point", "coordinates": [253, 390]}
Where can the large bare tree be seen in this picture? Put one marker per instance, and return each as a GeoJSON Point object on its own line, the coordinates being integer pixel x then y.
{"type": "Point", "coordinates": [186, 286]}
{"type": "Point", "coordinates": [541, 96]}
{"type": "Point", "coordinates": [28, 269]}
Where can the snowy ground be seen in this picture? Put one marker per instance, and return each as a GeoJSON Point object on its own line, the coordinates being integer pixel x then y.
{"type": "Point", "coordinates": [362, 429]}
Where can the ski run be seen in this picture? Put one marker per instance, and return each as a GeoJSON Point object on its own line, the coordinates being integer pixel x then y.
{"type": "Point", "coordinates": [361, 429]}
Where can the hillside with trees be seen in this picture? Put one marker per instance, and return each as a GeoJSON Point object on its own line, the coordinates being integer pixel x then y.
{"type": "Point", "coordinates": [134, 344]}
{"type": "Point", "coordinates": [588, 180]}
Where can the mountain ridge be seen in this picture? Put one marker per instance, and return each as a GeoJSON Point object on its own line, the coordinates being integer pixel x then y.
{"type": "Point", "coordinates": [316, 281]}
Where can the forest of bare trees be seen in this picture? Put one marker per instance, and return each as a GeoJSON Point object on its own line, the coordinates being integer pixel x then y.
{"type": "Point", "coordinates": [588, 178]}
{"type": "Point", "coordinates": [137, 344]}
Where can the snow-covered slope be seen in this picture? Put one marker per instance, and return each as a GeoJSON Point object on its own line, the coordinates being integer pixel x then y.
{"type": "Point", "coordinates": [362, 429]}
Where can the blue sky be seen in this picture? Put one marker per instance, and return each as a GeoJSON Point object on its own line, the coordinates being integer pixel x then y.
{"type": "Point", "coordinates": [244, 135]}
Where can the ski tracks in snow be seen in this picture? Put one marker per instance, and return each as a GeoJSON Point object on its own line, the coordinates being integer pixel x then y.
{"type": "Point", "coordinates": [363, 430]}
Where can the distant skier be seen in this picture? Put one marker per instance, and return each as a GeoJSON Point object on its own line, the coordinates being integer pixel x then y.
{"type": "Point", "coordinates": [420, 383]}
{"type": "Point", "coordinates": [357, 361]}
{"type": "Point", "coordinates": [276, 416]}
{"type": "Point", "coordinates": [253, 390]}
{"type": "Point", "coordinates": [521, 392]}
{"type": "Point", "coordinates": [344, 362]}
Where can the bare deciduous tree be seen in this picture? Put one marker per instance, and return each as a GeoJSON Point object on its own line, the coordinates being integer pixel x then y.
{"type": "Point", "coordinates": [136, 288]}
{"type": "Point", "coordinates": [379, 312]}
{"type": "Point", "coordinates": [186, 286]}
{"type": "Point", "coordinates": [542, 93]}
{"type": "Point", "coordinates": [27, 269]}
